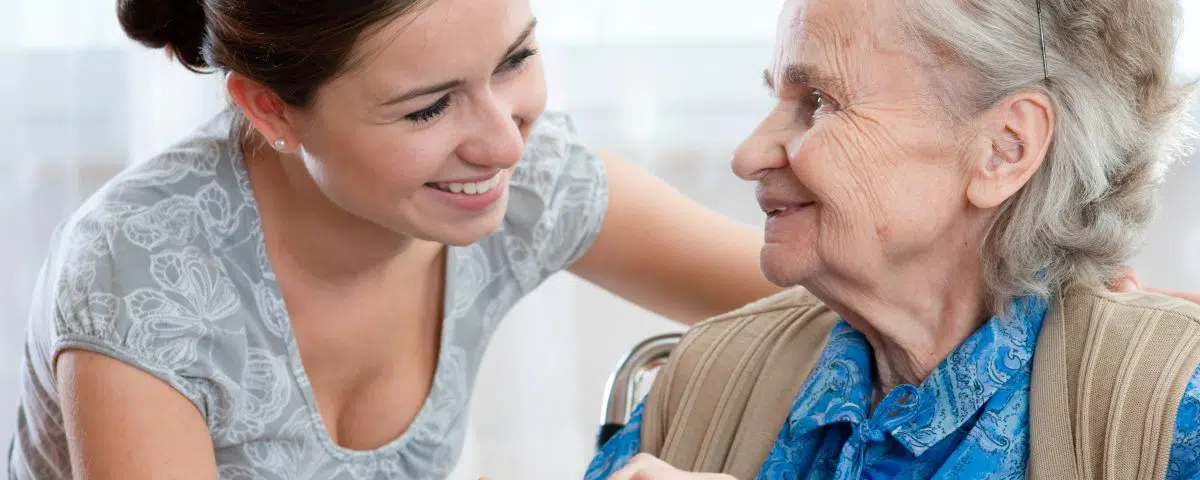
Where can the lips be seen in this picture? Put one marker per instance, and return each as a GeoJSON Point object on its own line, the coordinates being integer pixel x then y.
{"type": "Point", "coordinates": [471, 196]}
{"type": "Point", "coordinates": [780, 195]}
{"type": "Point", "coordinates": [469, 188]}
{"type": "Point", "coordinates": [776, 203]}
{"type": "Point", "coordinates": [779, 211]}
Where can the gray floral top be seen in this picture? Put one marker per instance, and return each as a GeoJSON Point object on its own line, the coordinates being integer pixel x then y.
{"type": "Point", "coordinates": [165, 269]}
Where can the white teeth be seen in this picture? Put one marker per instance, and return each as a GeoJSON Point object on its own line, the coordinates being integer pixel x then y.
{"type": "Point", "coordinates": [471, 188]}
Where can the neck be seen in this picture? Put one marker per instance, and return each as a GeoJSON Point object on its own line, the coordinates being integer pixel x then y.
{"type": "Point", "coordinates": [916, 315]}
{"type": "Point", "coordinates": [310, 236]}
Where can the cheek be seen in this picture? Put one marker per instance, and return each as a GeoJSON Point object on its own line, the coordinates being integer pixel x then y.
{"type": "Point", "coordinates": [930, 181]}
{"type": "Point", "coordinates": [536, 78]}
{"type": "Point", "coordinates": [528, 93]}
{"type": "Point", "coordinates": [903, 192]}
{"type": "Point", "coordinates": [849, 171]}
{"type": "Point", "coordinates": [379, 161]}
{"type": "Point", "coordinates": [875, 188]}
{"type": "Point", "coordinates": [928, 198]}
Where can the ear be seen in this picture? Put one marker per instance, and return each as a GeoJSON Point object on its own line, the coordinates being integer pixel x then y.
{"type": "Point", "coordinates": [1019, 130]}
{"type": "Point", "coordinates": [267, 113]}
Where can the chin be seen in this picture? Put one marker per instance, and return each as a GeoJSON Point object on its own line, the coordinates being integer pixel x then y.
{"type": "Point", "coordinates": [785, 267]}
{"type": "Point", "coordinates": [435, 223]}
{"type": "Point", "coordinates": [467, 232]}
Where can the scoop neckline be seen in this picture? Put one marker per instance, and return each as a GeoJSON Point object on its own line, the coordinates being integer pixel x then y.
{"type": "Point", "coordinates": [299, 374]}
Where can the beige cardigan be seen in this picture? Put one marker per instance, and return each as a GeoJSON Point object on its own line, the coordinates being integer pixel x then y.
{"type": "Point", "coordinates": [1108, 375]}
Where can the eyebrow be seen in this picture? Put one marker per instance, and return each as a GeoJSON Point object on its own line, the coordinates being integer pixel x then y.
{"type": "Point", "coordinates": [441, 87]}
{"type": "Point", "coordinates": [807, 75]}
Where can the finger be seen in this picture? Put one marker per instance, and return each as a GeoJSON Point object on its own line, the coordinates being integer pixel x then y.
{"type": "Point", "coordinates": [647, 459]}
{"type": "Point", "coordinates": [1193, 297]}
{"type": "Point", "coordinates": [1126, 282]}
{"type": "Point", "coordinates": [661, 472]}
{"type": "Point", "coordinates": [1125, 285]}
{"type": "Point", "coordinates": [643, 466]}
{"type": "Point", "coordinates": [625, 473]}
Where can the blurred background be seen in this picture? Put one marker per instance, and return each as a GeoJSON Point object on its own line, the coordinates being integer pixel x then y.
{"type": "Point", "coordinates": [671, 84]}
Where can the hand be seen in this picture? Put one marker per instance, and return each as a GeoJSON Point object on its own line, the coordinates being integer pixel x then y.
{"type": "Point", "coordinates": [1128, 282]}
{"type": "Point", "coordinates": [646, 467]}
{"type": "Point", "coordinates": [1193, 297]}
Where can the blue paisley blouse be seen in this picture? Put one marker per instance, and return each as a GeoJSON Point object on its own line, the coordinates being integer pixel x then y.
{"type": "Point", "coordinates": [969, 419]}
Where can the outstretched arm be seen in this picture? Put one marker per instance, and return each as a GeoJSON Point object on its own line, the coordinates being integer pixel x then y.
{"type": "Point", "coordinates": [664, 252]}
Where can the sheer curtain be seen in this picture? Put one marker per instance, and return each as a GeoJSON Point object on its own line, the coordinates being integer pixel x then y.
{"type": "Point", "coordinates": [671, 84]}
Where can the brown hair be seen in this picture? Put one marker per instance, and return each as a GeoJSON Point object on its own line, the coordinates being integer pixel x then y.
{"type": "Point", "coordinates": [290, 47]}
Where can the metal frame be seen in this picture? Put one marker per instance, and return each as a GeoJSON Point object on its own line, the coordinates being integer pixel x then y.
{"type": "Point", "coordinates": [621, 395]}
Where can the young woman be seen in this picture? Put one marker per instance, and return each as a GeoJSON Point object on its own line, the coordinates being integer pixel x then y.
{"type": "Point", "coordinates": [305, 286]}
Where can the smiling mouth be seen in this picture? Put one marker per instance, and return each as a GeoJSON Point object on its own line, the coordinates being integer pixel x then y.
{"type": "Point", "coordinates": [784, 211]}
{"type": "Point", "coordinates": [468, 188]}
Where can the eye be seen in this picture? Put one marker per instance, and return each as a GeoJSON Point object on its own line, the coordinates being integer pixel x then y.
{"type": "Point", "coordinates": [815, 104]}
{"type": "Point", "coordinates": [818, 100]}
{"type": "Point", "coordinates": [431, 112]}
{"type": "Point", "coordinates": [516, 61]}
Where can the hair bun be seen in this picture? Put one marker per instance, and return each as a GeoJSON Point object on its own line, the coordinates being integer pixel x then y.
{"type": "Point", "coordinates": [176, 25]}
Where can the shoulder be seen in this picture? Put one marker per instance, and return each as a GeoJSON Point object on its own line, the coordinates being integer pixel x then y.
{"type": "Point", "coordinates": [184, 202]}
{"type": "Point", "coordinates": [557, 163]}
{"type": "Point", "coordinates": [191, 191]}
{"type": "Point", "coordinates": [554, 135]}
{"type": "Point", "coordinates": [793, 317]}
{"type": "Point", "coordinates": [188, 194]}
{"type": "Point", "coordinates": [558, 197]}
{"type": "Point", "coordinates": [789, 306]}
{"type": "Point", "coordinates": [1134, 358]}
{"type": "Point", "coordinates": [140, 271]}
{"type": "Point", "coordinates": [1156, 336]}
{"type": "Point", "coordinates": [1119, 324]}
{"type": "Point", "coordinates": [1131, 307]}
{"type": "Point", "coordinates": [753, 360]}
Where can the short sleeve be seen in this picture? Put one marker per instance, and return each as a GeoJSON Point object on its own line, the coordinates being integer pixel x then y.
{"type": "Point", "coordinates": [558, 195]}
{"type": "Point", "coordinates": [1184, 463]}
{"type": "Point", "coordinates": [619, 449]}
{"type": "Point", "coordinates": [121, 288]}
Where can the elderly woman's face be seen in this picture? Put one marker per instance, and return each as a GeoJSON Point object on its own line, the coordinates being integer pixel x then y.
{"type": "Point", "coordinates": [858, 168]}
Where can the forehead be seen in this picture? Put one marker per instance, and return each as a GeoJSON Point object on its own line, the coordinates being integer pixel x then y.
{"type": "Point", "coordinates": [828, 32]}
{"type": "Point", "coordinates": [440, 40]}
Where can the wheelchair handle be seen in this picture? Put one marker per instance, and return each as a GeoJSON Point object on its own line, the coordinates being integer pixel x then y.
{"type": "Point", "coordinates": [620, 393]}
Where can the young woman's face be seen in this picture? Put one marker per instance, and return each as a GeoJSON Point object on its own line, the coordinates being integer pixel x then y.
{"type": "Point", "coordinates": [421, 134]}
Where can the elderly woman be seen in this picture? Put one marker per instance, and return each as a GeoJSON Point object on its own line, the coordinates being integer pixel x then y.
{"type": "Point", "coordinates": [953, 193]}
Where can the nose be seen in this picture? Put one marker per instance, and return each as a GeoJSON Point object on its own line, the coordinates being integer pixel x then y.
{"type": "Point", "coordinates": [760, 153]}
{"type": "Point", "coordinates": [498, 140]}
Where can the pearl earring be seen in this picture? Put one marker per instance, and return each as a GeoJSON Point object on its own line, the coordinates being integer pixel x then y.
{"type": "Point", "coordinates": [279, 144]}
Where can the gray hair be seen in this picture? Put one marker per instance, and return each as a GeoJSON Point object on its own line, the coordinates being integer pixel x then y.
{"type": "Point", "coordinates": [1119, 125]}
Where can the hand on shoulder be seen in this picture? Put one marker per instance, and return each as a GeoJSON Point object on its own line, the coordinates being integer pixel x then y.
{"type": "Point", "coordinates": [1129, 283]}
